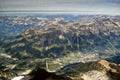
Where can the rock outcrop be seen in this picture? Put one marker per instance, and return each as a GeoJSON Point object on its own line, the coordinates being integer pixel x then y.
{"type": "Point", "coordinates": [96, 70]}
{"type": "Point", "coordinates": [41, 74]}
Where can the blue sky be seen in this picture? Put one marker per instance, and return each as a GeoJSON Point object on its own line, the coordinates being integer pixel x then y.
{"type": "Point", "coordinates": [95, 6]}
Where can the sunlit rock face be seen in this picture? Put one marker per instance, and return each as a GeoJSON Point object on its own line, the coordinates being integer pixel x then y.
{"type": "Point", "coordinates": [95, 70]}
{"type": "Point", "coordinates": [95, 75]}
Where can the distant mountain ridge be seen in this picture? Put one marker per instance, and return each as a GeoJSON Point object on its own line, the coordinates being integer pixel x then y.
{"type": "Point", "coordinates": [58, 37]}
{"type": "Point", "coordinates": [14, 25]}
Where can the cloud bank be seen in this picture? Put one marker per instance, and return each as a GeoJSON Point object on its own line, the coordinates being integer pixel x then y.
{"type": "Point", "coordinates": [61, 5]}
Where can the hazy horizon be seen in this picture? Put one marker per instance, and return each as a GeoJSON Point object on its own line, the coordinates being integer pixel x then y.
{"type": "Point", "coordinates": [79, 6]}
{"type": "Point", "coordinates": [15, 13]}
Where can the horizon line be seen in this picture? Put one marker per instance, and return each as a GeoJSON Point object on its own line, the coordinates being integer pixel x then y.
{"type": "Point", "coordinates": [48, 11]}
{"type": "Point", "coordinates": [59, 12]}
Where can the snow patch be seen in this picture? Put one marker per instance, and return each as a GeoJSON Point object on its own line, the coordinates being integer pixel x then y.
{"type": "Point", "coordinates": [18, 78]}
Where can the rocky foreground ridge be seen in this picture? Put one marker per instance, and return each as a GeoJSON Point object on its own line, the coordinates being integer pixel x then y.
{"type": "Point", "coordinates": [96, 70]}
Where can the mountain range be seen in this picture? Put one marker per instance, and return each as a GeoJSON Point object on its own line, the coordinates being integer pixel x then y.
{"type": "Point", "coordinates": [70, 45]}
